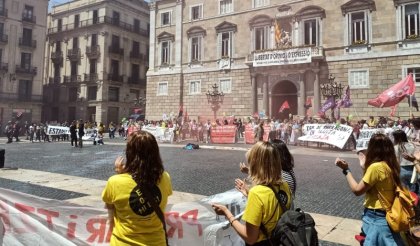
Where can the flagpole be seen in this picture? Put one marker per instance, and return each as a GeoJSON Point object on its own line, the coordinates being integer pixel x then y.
{"type": "Point", "coordinates": [411, 112]}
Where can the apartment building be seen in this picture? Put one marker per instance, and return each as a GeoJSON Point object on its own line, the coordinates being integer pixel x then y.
{"type": "Point", "coordinates": [22, 39]}
{"type": "Point", "coordinates": [96, 60]}
{"type": "Point", "coordinates": [261, 53]}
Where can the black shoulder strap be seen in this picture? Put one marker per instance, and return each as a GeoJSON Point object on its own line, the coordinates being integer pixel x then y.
{"type": "Point", "coordinates": [155, 206]}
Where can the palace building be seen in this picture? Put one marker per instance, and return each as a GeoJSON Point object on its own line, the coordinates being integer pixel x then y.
{"type": "Point", "coordinates": [261, 53]}
{"type": "Point", "coordinates": [96, 60]}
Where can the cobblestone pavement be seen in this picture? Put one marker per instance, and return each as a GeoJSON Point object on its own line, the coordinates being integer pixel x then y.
{"type": "Point", "coordinates": [321, 186]}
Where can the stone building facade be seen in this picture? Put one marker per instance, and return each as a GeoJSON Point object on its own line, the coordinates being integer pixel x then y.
{"type": "Point", "coordinates": [96, 60]}
{"type": "Point", "coordinates": [22, 38]}
{"type": "Point", "coordinates": [366, 44]}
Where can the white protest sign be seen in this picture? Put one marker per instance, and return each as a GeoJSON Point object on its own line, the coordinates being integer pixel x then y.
{"type": "Point", "coordinates": [25, 219]}
{"type": "Point", "coordinates": [161, 134]}
{"type": "Point", "coordinates": [364, 137]}
{"type": "Point", "coordinates": [89, 134]}
{"type": "Point", "coordinates": [57, 130]}
{"type": "Point", "coordinates": [336, 135]}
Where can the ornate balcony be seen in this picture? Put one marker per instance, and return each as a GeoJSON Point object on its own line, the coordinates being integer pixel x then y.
{"type": "Point", "coordinates": [73, 54]}
{"type": "Point", "coordinates": [26, 70]}
{"type": "Point", "coordinates": [27, 43]}
{"type": "Point", "coordinates": [72, 79]}
{"type": "Point", "coordinates": [116, 50]}
{"type": "Point", "coordinates": [116, 78]}
{"type": "Point", "coordinates": [91, 77]}
{"type": "Point", "coordinates": [93, 52]}
{"type": "Point", "coordinates": [54, 80]}
{"type": "Point", "coordinates": [29, 18]}
{"type": "Point", "coordinates": [57, 57]}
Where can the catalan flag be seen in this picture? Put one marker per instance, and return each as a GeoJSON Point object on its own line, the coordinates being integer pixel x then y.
{"type": "Point", "coordinates": [277, 30]}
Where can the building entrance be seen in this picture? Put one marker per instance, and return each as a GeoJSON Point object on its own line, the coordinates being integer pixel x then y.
{"type": "Point", "coordinates": [282, 92]}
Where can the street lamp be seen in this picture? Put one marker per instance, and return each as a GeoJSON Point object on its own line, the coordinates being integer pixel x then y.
{"type": "Point", "coordinates": [215, 98]}
{"type": "Point", "coordinates": [332, 89]}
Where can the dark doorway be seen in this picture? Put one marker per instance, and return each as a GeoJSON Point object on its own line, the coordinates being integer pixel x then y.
{"type": "Point", "coordinates": [284, 91]}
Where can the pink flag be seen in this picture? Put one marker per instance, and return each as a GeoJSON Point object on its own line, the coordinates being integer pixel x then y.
{"type": "Point", "coordinates": [284, 106]}
{"type": "Point", "coordinates": [395, 94]}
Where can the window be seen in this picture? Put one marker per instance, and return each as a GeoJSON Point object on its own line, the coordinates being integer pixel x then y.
{"type": "Point", "coordinates": [115, 68]}
{"type": "Point", "coordinates": [311, 32]}
{"type": "Point", "coordinates": [73, 68]}
{"type": "Point", "coordinates": [162, 89]}
{"type": "Point", "coordinates": [196, 12]}
{"type": "Point", "coordinates": [196, 48]}
{"type": "Point", "coordinates": [58, 46]}
{"type": "Point", "coordinates": [28, 12]}
{"type": "Point", "coordinates": [195, 87]}
{"type": "Point", "coordinates": [135, 49]}
{"type": "Point", "coordinates": [115, 18]}
{"type": "Point", "coordinates": [113, 94]}
{"type": "Point", "coordinates": [93, 66]}
{"type": "Point", "coordinates": [358, 78]}
{"type": "Point", "coordinates": [115, 41]}
{"type": "Point", "coordinates": [262, 37]}
{"type": "Point", "coordinates": [358, 28]}
{"type": "Point", "coordinates": [95, 16]}
{"type": "Point", "coordinates": [165, 18]}
{"type": "Point", "coordinates": [260, 3]}
{"type": "Point", "coordinates": [27, 37]}
{"type": "Point", "coordinates": [25, 89]}
{"type": "Point", "coordinates": [135, 72]}
{"type": "Point", "coordinates": [225, 85]}
{"type": "Point", "coordinates": [25, 59]}
{"type": "Point", "coordinates": [75, 43]}
{"type": "Point", "coordinates": [76, 21]}
{"type": "Point", "coordinates": [415, 70]}
{"type": "Point", "coordinates": [59, 25]}
{"type": "Point", "coordinates": [136, 25]}
{"type": "Point", "coordinates": [1, 28]}
{"type": "Point", "coordinates": [72, 94]}
{"type": "Point", "coordinates": [94, 40]}
{"type": "Point", "coordinates": [226, 6]}
{"type": "Point", "coordinates": [411, 21]}
{"type": "Point", "coordinates": [165, 52]}
{"type": "Point", "coordinates": [226, 42]}
{"type": "Point", "coordinates": [91, 93]}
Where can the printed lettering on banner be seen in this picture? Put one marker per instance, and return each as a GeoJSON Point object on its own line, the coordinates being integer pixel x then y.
{"type": "Point", "coordinates": [26, 219]}
{"type": "Point", "coordinates": [57, 130]}
{"type": "Point", "coordinates": [336, 135]}
{"type": "Point", "coordinates": [282, 57]}
{"type": "Point", "coordinates": [364, 136]}
{"type": "Point", "coordinates": [161, 134]}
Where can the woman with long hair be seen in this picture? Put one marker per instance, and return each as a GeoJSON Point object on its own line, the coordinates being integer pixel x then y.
{"type": "Point", "coordinates": [403, 147]}
{"type": "Point", "coordinates": [125, 195]}
{"type": "Point", "coordinates": [262, 208]}
{"type": "Point", "coordinates": [381, 176]}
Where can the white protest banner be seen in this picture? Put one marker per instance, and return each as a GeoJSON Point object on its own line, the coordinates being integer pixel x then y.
{"type": "Point", "coordinates": [161, 134]}
{"type": "Point", "coordinates": [89, 134]}
{"type": "Point", "coordinates": [364, 137]}
{"type": "Point", "coordinates": [25, 219]}
{"type": "Point", "coordinates": [306, 128]}
{"type": "Point", "coordinates": [57, 130]}
{"type": "Point", "coordinates": [282, 57]}
{"type": "Point", "coordinates": [336, 135]}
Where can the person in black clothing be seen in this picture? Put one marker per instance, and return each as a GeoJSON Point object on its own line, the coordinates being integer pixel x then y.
{"type": "Point", "coordinates": [16, 131]}
{"type": "Point", "coordinates": [73, 133]}
{"type": "Point", "coordinates": [9, 132]}
{"type": "Point", "coordinates": [81, 133]}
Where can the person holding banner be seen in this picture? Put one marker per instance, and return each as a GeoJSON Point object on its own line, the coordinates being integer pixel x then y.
{"type": "Point", "coordinates": [262, 208]}
{"type": "Point", "coordinates": [130, 195]}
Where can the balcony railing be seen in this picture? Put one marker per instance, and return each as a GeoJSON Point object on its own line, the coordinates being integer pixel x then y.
{"type": "Point", "coordinates": [29, 18]}
{"type": "Point", "coordinates": [91, 77]}
{"type": "Point", "coordinates": [4, 67]}
{"type": "Point", "coordinates": [136, 55]}
{"type": "Point", "coordinates": [73, 54]}
{"type": "Point", "coordinates": [116, 78]}
{"type": "Point", "coordinates": [116, 50]}
{"type": "Point", "coordinates": [72, 79]}
{"type": "Point", "coordinates": [54, 80]}
{"type": "Point", "coordinates": [93, 51]}
{"type": "Point", "coordinates": [3, 12]}
{"type": "Point", "coordinates": [26, 70]}
{"type": "Point", "coordinates": [57, 56]}
{"type": "Point", "coordinates": [99, 21]}
{"type": "Point", "coordinates": [27, 43]}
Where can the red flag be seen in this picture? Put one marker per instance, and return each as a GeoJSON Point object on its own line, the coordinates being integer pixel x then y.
{"type": "Point", "coordinates": [256, 115]}
{"type": "Point", "coordinates": [284, 106]}
{"type": "Point", "coordinates": [393, 110]}
{"type": "Point", "coordinates": [395, 94]}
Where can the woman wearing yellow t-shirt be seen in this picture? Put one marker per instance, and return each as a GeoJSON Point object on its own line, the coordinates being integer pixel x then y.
{"type": "Point", "coordinates": [135, 221]}
{"type": "Point", "coordinates": [381, 174]}
{"type": "Point", "coordinates": [262, 207]}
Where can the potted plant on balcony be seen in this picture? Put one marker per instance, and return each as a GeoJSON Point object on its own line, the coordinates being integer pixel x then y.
{"type": "Point", "coordinates": [359, 42]}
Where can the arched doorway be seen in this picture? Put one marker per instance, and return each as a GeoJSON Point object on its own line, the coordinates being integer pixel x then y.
{"type": "Point", "coordinates": [281, 92]}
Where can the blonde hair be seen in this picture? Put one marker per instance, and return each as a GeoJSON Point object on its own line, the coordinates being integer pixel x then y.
{"type": "Point", "coordinates": [264, 164]}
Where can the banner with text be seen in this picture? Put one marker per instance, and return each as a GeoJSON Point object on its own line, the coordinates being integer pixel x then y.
{"type": "Point", "coordinates": [364, 137]}
{"type": "Point", "coordinates": [282, 57]}
{"type": "Point", "coordinates": [25, 219]}
{"type": "Point", "coordinates": [57, 130]}
{"type": "Point", "coordinates": [336, 135]}
{"type": "Point", "coordinates": [162, 134]}
{"type": "Point", "coordinates": [223, 134]}
{"type": "Point", "coordinates": [250, 133]}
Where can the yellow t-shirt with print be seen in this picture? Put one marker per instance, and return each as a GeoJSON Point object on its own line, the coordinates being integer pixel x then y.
{"type": "Point", "coordinates": [379, 177]}
{"type": "Point", "coordinates": [262, 206]}
{"type": "Point", "coordinates": [136, 223]}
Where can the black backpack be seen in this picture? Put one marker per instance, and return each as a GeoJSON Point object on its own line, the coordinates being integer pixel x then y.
{"type": "Point", "coordinates": [294, 228]}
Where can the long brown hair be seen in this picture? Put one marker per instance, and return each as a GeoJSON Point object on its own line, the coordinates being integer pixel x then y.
{"type": "Point", "coordinates": [380, 148]}
{"type": "Point", "coordinates": [264, 164]}
{"type": "Point", "coordinates": [143, 158]}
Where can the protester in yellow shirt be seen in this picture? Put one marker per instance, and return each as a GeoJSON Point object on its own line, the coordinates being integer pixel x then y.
{"type": "Point", "coordinates": [372, 123]}
{"type": "Point", "coordinates": [262, 207]}
{"type": "Point", "coordinates": [381, 175]}
{"type": "Point", "coordinates": [135, 221]}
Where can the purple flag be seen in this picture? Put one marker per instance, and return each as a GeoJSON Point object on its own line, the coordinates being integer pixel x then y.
{"type": "Point", "coordinates": [329, 104]}
{"type": "Point", "coordinates": [345, 101]}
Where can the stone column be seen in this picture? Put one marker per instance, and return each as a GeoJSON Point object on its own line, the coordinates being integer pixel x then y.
{"type": "Point", "coordinates": [317, 98]}
{"type": "Point", "coordinates": [254, 94]}
{"type": "Point", "coordinates": [265, 94]}
{"type": "Point", "coordinates": [302, 96]}
{"type": "Point", "coordinates": [152, 46]}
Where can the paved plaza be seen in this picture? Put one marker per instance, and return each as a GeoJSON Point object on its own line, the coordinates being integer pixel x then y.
{"type": "Point", "coordinates": [59, 171]}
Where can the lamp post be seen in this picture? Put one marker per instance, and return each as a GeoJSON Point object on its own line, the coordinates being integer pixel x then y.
{"type": "Point", "coordinates": [215, 98]}
{"type": "Point", "coordinates": [332, 89]}
{"type": "Point", "coordinates": [140, 102]}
